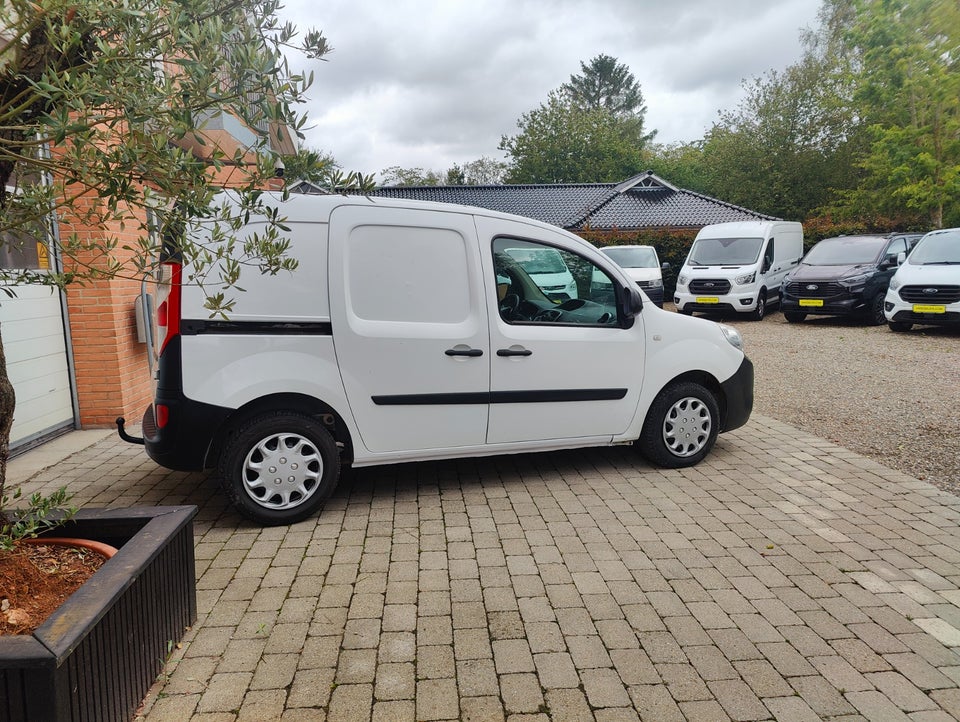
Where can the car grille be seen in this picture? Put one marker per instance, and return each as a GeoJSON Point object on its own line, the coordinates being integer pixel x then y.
{"type": "Point", "coordinates": [814, 289]}
{"type": "Point", "coordinates": [710, 286]}
{"type": "Point", "coordinates": [645, 284]}
{"type": "Point", "coordinates": [930, 294]}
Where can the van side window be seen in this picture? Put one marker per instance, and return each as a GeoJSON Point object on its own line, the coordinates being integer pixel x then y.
{"type": "Point", "coordinates": [537, 283]}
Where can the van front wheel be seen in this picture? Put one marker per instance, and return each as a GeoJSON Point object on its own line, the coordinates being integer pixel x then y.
{"type": "Point", "coordinates": [760, 310]}
{"type": "Point", "coordinates": [279, 467]}
{"type": "Point", "coordinates": [681, 426]}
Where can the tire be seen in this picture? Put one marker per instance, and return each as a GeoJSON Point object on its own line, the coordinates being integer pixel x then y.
{"type": "Point", "coordinates": [685, 311]}
{"type": "Point", "coordinates": [760, 311]}
{"type": "Point", "coordinates": [899, 326]}
{"type": "Point", "coordinates": [794, 316]}
{"type": "Point", "coordinates": [292, 445]}
{"type": "Point", "coordinates": [681, 426]}
{"type": "Point", "coordinates": [875, 315]}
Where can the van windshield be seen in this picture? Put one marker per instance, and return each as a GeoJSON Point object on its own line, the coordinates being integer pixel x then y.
{"type": "Point", "coordinates": [847, 251]}
{"type": "Point", "coordinates": [725, 251]}
{"type": "Point", "coordinates": [942, 249]}
{"type": "Point", "coordinates": [538, 260]}
{"type": "Point", "coordinates": [633, 257]}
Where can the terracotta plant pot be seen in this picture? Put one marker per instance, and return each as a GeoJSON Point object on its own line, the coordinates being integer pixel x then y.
{"type": "Point", "coordinates": [104, 550]}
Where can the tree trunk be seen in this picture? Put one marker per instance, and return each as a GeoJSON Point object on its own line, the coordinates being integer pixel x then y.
{"type": "Point", "coordinates": [7, 401]}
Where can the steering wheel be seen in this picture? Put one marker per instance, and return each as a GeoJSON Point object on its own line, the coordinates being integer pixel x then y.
{"type": "Point", "coordinates": [549, 315]}
{"type": "Point", "coordinates": [509, 306]}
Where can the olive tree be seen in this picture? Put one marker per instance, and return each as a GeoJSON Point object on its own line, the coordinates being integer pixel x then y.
{"type": "Point", "coordinates": [107, 119]}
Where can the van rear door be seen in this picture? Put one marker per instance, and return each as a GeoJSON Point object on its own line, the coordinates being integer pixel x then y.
{"type": "Point", "coordinates": [410, 326]}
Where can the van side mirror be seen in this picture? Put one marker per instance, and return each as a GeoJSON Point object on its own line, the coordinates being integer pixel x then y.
{"type": "Point", "coordinates": [901, 257]}
{"type": "Point", "coordinates": [632, 302]}
{"type": "Point", "coordinates": [665, 266]}
{"type": "Point", "coordinates": [766, 265]}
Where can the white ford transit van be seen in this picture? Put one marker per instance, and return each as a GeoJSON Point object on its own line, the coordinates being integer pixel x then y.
{"type": "Point", "coordinates": [409, 332]}
{"type": "Point", "coordinates": [925, 289]}
{"type": "Point", "coordinates": [738, 267]}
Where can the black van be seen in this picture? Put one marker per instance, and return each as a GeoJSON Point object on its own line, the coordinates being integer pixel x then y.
{"type": "Point", "coordinates": [844, 276]}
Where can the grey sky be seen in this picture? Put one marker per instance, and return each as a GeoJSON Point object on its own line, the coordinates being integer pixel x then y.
{"type": "Point", "coordinates": [431, 83]}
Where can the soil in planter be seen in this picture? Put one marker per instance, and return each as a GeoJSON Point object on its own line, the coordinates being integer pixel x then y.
{"type": "Point", "coordinates": [36, 579]}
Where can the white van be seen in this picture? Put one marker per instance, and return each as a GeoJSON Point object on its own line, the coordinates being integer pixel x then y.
{"type": "Point", "coordinates": [409, 332]}
{"type": "Point", "coordinates": [738, 267]}
{"type": "Point", "coordinates": [925, 289]}
{"type": "Point", "coordinates": [546, 267]}
{"type": "Point", "coordinates": [642, 264]}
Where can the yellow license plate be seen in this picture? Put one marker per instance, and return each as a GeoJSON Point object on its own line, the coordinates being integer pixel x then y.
{"type": "Point", "coordinates": [814, 302]}
{"type": "Point", "coordinates": [921, 308]}
{"type": "Point", "coordinates": [707, 299]}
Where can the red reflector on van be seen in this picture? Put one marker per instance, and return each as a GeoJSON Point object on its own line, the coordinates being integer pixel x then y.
{"type": "Point", "coordinates": [162, 415]}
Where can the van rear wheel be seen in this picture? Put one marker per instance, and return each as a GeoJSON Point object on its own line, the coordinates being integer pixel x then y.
{"type": "Point", "coordinates": [681, 426]}
{"type": "Point", "coordinates": [279, 467]}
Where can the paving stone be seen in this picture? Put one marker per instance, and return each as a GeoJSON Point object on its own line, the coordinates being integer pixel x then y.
{"type": "Point", "coordinates": [705, 711]}
{"type": "Point", "coordinates": [521, 693]}
{"type": "Point", "coordinates": [875, 706]}
{"type": "Point", "coordinates": [791, 709]}
{"type": "Point", "coordinates": [437, 699]}
{"type": "Point", "coordinates": [901, 691]}
{"type": "Point", "coordinates": [737, 700]}
{"type": "Point", "coordinates": [567, 705]}
{"type": "Point", "coordinates": [823, 698]}
{"type": "Point", "coordinates": [683, 682]}
{"type": "Point", "coordinates": [763, 679]}
{"type": "Point", "coordinates": [653, 702]}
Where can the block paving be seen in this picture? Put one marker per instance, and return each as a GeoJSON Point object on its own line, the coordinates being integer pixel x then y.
{"type": "Point", "coordinates": [783, 578]}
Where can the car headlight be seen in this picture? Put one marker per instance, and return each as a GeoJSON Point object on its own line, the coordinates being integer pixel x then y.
{"type": "Point", "coordinates": [682, 280]}
{"type": "Point", "coordinates": [732, 335]}
{"type": "Point", "coordinates": [745, 278]}
{"type": "Point", "coordinates": [855, 280]}
{"type": "Point", "coordinates": [895, 283]}
{"type": "Point", "coordinates": [656, 283]}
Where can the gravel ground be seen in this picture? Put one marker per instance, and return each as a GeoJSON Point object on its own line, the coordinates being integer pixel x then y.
{"type": "Point", "coordinates": [894, 397]}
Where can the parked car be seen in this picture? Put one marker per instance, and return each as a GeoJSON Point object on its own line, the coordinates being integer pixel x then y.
{"type": "Point", "coordinates": [643, 265]}
{"type": "Point", "coordinates": [926, 287]}
{"type": "Point", "coordinates": [546, 266]}
{"type": "Point", "coordinates": [413, 331]}
{"type": "Point", "coordinates": [843, 276]}
{"type": "Point", "coordinates": [738, 267]}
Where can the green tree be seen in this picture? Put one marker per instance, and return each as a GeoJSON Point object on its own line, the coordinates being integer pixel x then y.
{"type": "Point", "coordinates": [907, 78]}
{"type": "Point", "coordinates": [103, 108]}
{"type": "Point", "coordinates": [397, 176]}
{"type": "Point", "coordinates": [561, 142]}
{"type": "Point", "coordinates": [484, 171]}
{"type": "Point", "coordinates": [608, 84]}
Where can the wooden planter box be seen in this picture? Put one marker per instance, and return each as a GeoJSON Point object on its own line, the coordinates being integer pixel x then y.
{"type": "Point", "coordinates": [95, 658]}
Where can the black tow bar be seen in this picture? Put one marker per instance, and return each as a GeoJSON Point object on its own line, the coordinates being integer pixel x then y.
{"type": "Point", "coordinates": [124, 435]}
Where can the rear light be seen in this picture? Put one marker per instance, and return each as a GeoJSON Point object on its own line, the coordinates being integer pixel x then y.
{"type": "Point", "coordinates": [161, 415]}
{"type": "Point", "coordinates": [168, 306]}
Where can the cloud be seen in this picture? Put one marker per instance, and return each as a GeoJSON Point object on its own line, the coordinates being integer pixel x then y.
{"type": "Point", "coordinates": [430, 83]}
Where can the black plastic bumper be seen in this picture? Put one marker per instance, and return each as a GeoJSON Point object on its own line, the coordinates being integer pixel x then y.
{"type": "Point", "coordinates": [182, 444]}
{"type": "Point", "coordinates": [738, 391]}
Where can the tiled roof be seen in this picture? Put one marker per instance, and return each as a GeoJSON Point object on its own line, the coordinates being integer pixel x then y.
{"type": "Point", "coordinates": [645, 201]}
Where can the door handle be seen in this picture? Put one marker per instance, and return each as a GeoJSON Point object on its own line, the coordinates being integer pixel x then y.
{"type": "Point", "coordinates": [464, 352]}
{"type": "Point", "coordinates": [514, 352]}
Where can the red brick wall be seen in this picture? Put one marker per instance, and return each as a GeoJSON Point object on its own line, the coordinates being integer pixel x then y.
{"type": "Point", "coordinates": [112, 374]}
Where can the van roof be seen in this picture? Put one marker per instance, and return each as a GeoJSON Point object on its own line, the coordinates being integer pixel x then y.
{"type": "Point", "coordinates": [310, 208]}
{"type": "Point", "coordinates": [744, 228]}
